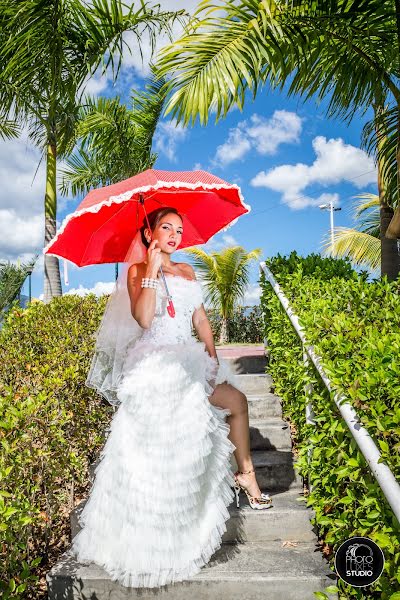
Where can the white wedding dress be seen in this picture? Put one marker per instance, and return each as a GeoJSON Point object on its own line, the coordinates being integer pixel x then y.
{"type": "Point", "coordinates": [157, 509]}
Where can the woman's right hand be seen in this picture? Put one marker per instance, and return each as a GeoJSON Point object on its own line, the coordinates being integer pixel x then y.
{"type": "Point", "coordinates": [154, 260]}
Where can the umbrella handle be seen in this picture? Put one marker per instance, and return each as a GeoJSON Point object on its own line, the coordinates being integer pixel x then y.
{"type": "Point", "coordinates": [170, 307]}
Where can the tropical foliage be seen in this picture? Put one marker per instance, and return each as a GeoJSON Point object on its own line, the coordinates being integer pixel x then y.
{"type": "Point", "coordinates": [342, 51]}
{"type": "Point", "coordinates": [244, 326]}
{"type": "Point", "coordinates": [48, 51]}
{"type": "Point", "coordinates": [51, 428]}
{"type": "Point", "coordinates": [346, 49]}
{"type": "Point", "coordinates": [12, 278]}
{"type": "Point", "coordinates": [339, 311]}
{"type": "Point", "coordinates": [114, 140]}
{"type": "Point", "coordinates": [361, 244]}
{"type": "Point", "coordinates": [225, 276]}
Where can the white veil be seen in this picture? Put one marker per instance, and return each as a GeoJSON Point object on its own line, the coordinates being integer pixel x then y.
{"type": "Point", "coordinates": [116, 331]}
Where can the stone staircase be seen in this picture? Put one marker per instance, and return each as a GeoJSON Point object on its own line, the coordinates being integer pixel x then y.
{"type": "Point", "coordinates": [268, 555]}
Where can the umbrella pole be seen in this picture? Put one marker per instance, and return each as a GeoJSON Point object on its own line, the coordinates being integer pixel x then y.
{"type": "Point", "coordinates": [170, 307]}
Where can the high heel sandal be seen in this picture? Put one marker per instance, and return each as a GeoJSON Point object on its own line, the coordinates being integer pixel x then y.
{"type": "Point", "coordinates": [258, 502]}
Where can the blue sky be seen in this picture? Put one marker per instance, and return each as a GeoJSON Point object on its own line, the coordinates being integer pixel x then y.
{"type": "Point", "coordinates": [286, 156]}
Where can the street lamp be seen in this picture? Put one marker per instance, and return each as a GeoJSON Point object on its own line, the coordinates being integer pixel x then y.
{"type": "Point", "coordinates": [331, 209]}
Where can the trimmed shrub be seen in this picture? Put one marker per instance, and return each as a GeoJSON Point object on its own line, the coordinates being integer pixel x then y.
{"type": "Point", "coordinates": [51, 429]}
{"type": "Point", "coordinates": [354, 328]}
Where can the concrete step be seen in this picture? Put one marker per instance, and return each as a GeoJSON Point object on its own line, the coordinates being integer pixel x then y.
{"type": "Point", "coordinates": [247, 364]}
{"type": "Point", "coordinates": [264, 405]}
{"type": "Point", "coordinates": [271, 570]}
{"type": "Point", "coordinates": [288, 519]}
{"type": "Point", "coordinates": [255, 383]}
{"type": "Point", "coordinates": [269, 434]}
{"type": "Point", "coordinates": [275, 470]}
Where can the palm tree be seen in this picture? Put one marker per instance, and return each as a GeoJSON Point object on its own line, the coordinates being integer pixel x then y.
{"type": "Point", "coordinates": [225, 275]}
{"type": "Point", "coordinates": [346, 51]}
{"type": "Point", "coordinates": [12, 278]}
{"type": "Point", "coordinates": [381, 136]}
{"type": "Point", "coordinates": [114, 141]}
{"type": "Point", "coordinates": [48, 50]}
{"type": "Point", "coordinates": [361, 244]}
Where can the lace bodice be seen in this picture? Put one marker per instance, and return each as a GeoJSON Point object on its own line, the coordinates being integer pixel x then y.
{"type": "Point", "coordinates": [186, 297]}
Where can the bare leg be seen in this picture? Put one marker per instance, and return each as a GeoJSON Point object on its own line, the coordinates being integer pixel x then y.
{"type": "Point", "coordinates": [227, 396]}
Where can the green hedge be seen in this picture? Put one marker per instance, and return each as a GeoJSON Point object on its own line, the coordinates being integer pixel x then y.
{"type": "Point", "coordinates": [354, 328]}
{"type": "Point", "coordinates": [51, 428]}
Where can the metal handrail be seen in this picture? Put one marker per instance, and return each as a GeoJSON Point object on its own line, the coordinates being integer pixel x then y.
{"type": "Point", "coordinates": [384, 476]}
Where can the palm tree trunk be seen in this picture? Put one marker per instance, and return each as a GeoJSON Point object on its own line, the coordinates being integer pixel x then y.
{"type": "Point", "coordinates": [52, 280]}
{"type": "Point", "coordinates": [223, 336]}
{"type": "Point", "coordinates": [390, 258]}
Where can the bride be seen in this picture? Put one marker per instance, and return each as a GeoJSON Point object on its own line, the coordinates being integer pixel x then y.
{"type": "Point", "coordinates": [157, 509]}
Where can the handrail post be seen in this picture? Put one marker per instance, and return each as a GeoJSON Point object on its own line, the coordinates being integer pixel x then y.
{"type": "Point", "coordinates": [310, 420]}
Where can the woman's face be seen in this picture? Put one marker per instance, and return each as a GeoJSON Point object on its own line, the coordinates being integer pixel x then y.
{"type": "Point", "coordinates": [168, 232]}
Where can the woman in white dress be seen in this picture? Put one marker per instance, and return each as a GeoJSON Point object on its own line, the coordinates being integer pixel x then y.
{"type": "Point", "coordinates": [157, 509]}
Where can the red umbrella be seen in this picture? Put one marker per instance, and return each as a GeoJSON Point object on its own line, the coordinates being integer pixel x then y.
{"type": "Point", "coordinates": [102, 228]}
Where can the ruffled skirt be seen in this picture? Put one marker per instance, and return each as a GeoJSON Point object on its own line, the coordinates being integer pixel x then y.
{"type": "Point", "coordinates": [157, 509]}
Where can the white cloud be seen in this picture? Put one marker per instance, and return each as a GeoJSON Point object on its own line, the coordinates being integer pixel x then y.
{"type": "Point", "coordinates": [19, 190]}
{"type": "Point", "coordinates": [19, 236]}
{"type": "Point", "coordinates": [96, 84]}
{"type": "Point", "coordinates": [215, 244]}
{"type": "Point", "coordinates": [229, 240]}
{"type": "Point", "coordinates": [267, 134]}
{"type": "Point", "coordinates": [100, 288]}
{"type": "Point", "coordinates": [235, 147]}
{"type": "Point", "coordinates": [335, 162]}
{"type": "Point", "coordinates": [252, 295]}
{"type": "Point", "coordinates": [261, 134]}
{"type": "Point", "coordinates": [167, 138]}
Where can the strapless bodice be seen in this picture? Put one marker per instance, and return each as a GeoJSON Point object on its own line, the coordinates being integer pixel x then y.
{"type": "Point", "coordinates": [186, 297]}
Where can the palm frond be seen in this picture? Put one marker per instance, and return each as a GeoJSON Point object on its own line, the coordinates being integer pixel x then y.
{"type": "Point", "coordinates": [216, 61]}
{"type": "Point", "coordinates": [380, 136]}
{"type": "Point", "coordinates": [9, 129]}
{"type": "Point", "coordinates": [367, 213]}
{"type": "Point", "coordinates": [205, 265]}
{"type": "Point", "coordinates": [344, 51]}
{"type": "Point", "coordinates": [225, 275]}
{"type": "Point", "coordinates": [114, 142]}
{"type": "Point", "coordinates": [48, 48]}
{"type": "Point", "coordinates": [12, 279]}
{"type": "Point", "coordinates": [362, 249]}
{"type": "Point", "coordinates": [82, 172]}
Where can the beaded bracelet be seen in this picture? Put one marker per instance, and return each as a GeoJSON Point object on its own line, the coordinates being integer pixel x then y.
{"type": "Point", "coordinates": [149, 282]}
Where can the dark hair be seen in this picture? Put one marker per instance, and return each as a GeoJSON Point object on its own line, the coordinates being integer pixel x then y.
{"type": "Point", "coordinates": [155, 217]}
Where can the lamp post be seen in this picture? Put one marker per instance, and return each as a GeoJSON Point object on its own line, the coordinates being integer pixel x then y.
{"type": "Point", "coordinates": [331, 208]}
{"type": "Point", "coordinates": [29, 270]}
